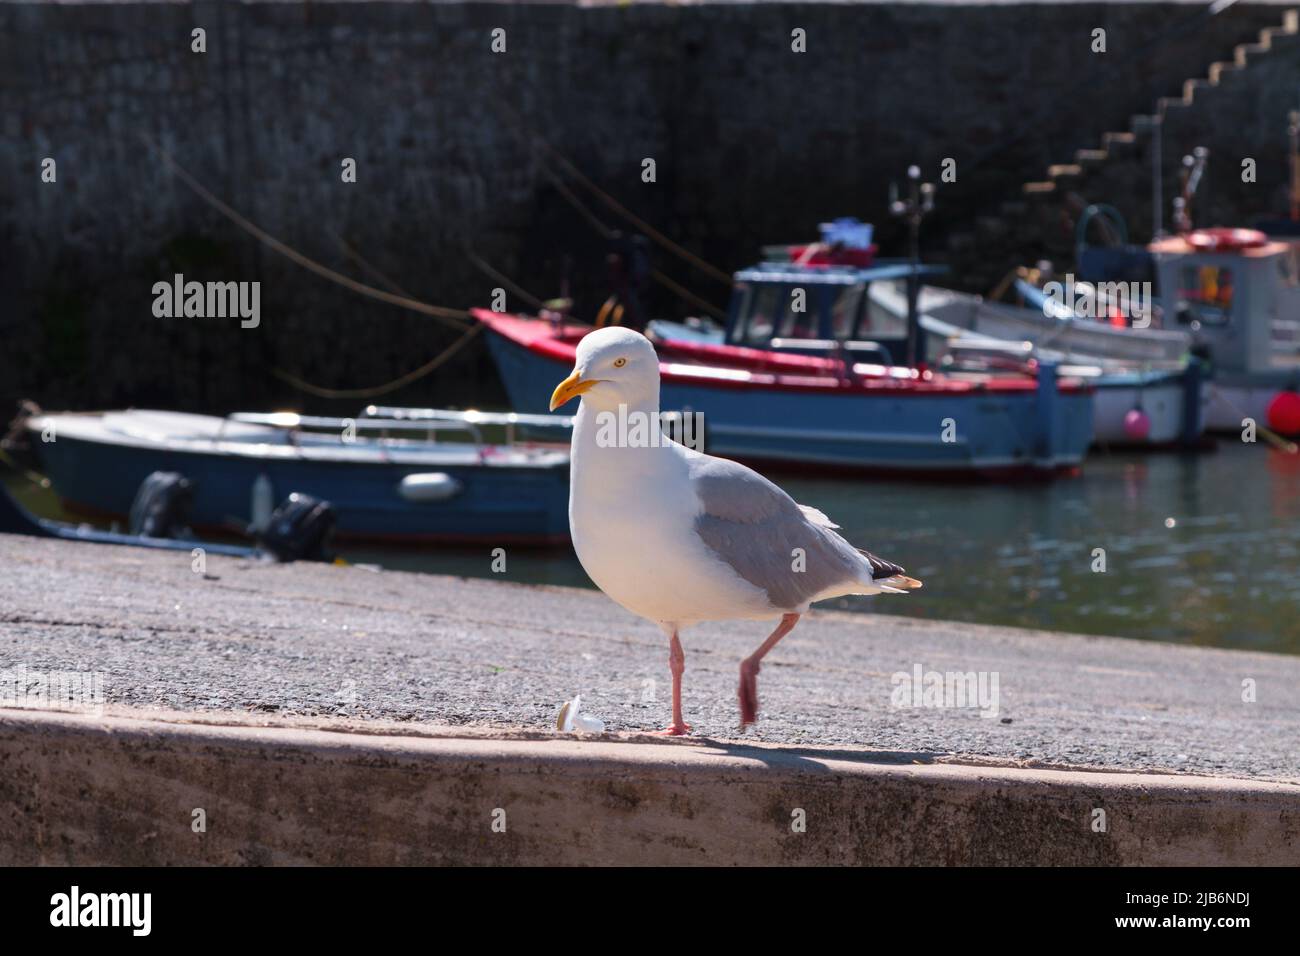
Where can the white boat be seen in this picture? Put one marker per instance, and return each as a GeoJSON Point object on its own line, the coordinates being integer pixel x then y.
{"type": "Point", "coordinates": [1236, 295]}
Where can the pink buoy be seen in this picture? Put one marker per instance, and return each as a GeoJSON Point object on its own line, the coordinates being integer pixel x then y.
{"type": "Point", "coordinates": [1137, 425]}
{"type": "Point", "coordinates": [1284, 413]}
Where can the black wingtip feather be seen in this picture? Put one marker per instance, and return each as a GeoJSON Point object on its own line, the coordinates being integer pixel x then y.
{"type": "Point", "coordinates": [880, 568]}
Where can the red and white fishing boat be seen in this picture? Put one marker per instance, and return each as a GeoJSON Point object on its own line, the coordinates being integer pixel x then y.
{"type": "Point", "coordinates": [842, 401]}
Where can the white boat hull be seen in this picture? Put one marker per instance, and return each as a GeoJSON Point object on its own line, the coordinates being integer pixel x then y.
{"type": "Point", "coordinates": [1163, 405]}
{"type": "Point", "coordinates": [1227, 406]}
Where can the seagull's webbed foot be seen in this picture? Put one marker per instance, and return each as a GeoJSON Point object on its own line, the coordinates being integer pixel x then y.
{"type": "Point", "coordinates": [676, 730]}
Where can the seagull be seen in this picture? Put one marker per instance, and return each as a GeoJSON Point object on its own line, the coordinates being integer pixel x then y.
{"type": "Point", "coordinates": [677, 536]}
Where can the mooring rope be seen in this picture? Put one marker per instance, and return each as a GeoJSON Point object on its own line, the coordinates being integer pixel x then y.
{"type": "Point", "coordinates": [438, 312]}
{"type": "Point", "coordinates": [366, 266]}
{"type": "Point", "coordinates": [645, 227]}
{"type": "Point", "coordinates": [687, 295]}
{"type": "Point", "coordinates": [436, 362]}
{"type": "Point", "coordinates": [606, 232]}
{"type": "Point", "coordinates": [452, 317]}
{"type": "Point", "coordinates": [501, 277]}
{"type": "Point", "coordinates": [655, 235]}
{"type": "Point", "coordinates": [1272, 437]}
{"type": "Point", "coordinates": [398, 297]}
{"type": "Point", "coordinates": [401, 381]}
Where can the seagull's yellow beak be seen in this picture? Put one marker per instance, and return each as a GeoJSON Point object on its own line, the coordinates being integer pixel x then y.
{"type": "Point", "coordinates": [571, 387]}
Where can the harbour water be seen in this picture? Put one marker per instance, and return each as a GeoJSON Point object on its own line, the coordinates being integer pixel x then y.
{"type": "Point", "coordinates": [1196, 548]}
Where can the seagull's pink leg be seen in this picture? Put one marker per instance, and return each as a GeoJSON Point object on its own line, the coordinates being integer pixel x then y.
{"type": "Point", "coordinates": [749, 668]}
{"type": "Point", "coordinates": [677, 664]}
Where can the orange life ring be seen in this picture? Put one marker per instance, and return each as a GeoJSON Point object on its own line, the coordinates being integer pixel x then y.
{"type": "Point", "coordinates": [1225, 240]}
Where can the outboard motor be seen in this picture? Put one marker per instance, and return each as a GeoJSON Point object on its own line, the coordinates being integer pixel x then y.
{"type": "Point", "coordinates": [162, 506]}
{"type": "Point", "coordinates": [299, 530]}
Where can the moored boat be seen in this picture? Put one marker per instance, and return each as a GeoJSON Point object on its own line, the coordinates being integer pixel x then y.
{"type": "Point", "coordinates": [389, 473]}
{"type": "Point", "coordinates": [1146, 392]}
{"type": "Point", "coordinates": [1236, 294]}
{"type": "Point", "coordinates": [808, 409]}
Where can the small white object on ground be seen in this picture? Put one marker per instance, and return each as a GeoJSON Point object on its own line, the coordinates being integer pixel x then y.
{"type": "Point", "coordinates": [570, 720]}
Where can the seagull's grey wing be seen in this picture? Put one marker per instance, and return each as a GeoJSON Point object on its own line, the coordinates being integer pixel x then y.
{"type": "Point", "coordinates": [755, 527]}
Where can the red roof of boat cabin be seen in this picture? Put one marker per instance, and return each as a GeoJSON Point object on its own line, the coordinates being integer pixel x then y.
{"type": "Point", "coordinates": [1179, 246]}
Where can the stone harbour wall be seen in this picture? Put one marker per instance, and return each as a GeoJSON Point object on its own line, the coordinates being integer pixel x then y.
{"type": "Point", "coordinates": [752, 142]}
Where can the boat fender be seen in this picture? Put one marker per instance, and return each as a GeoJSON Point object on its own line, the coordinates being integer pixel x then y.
{"type": "Point", "coordinates": [1137, 424]}
{"type": "Point", "coordinates": [1284, 413]}
{"type": "Point", "coordinates": [299, 530]}
{"type": "Point", "coordinates": [161, 508]}
{"type": "Point", "coordinates": [429, 486]}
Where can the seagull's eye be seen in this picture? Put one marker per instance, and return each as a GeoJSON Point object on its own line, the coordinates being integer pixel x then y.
{"type": "Point", "coordinates": [619, 362]}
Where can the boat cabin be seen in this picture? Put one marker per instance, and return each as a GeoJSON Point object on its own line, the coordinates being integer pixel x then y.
{"type": "Point", "coordinates": [1236, 291]}
{"type": "Point", "coordinates": [819, 309]}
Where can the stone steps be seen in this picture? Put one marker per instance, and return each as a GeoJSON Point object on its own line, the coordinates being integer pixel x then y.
{"type": "Point", "coordinates": [1033, 219]}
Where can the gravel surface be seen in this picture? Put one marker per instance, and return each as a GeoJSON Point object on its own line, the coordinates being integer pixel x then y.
{"type": "Point", "coordinates": [347, 642]}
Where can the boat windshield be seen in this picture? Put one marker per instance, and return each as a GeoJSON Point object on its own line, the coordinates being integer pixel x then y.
{"type": "Point", "coordinates": [802, 323]}
{"type": "Point", "coordinates": [1207, 292]}
{"type": "Point", "coordinates": [760, 323]}
{"type": "Point", "coordinates": [845, 311]}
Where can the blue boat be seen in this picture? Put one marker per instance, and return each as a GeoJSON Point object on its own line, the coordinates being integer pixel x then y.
{"type": "Point", "coordinates": [810, 371]}
{"type": "Point", "coordinates": [856, 410]}
{"type": "Point", "coordinates": [1147, 391]}
{"type": "Point", "coordinates": [390, 473]}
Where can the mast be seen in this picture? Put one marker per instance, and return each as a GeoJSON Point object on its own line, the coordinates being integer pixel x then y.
{"type": "Point", "coordinates": [1157, 173]}
{"type": "Point", "coordinates": [919, 201]}
{"type": "Point", "coordinates": [1193, 170]}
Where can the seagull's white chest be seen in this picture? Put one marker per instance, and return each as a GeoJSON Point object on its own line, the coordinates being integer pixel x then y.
{"type": "Point", "coordinates": [632, 514]}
